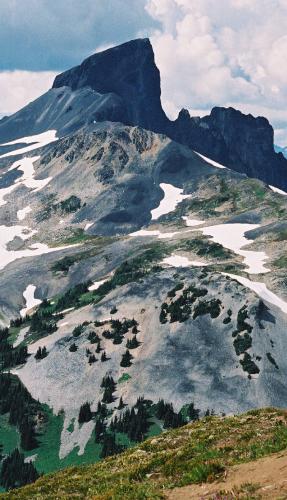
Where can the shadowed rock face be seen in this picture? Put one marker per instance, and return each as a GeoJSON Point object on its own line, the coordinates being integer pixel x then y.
{"type": "Point", "coordinates": [128, 71]}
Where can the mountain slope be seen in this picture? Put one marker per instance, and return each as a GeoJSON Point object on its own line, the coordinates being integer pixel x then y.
{"type": "Point", "coordinates": [198, 453]}
{"type": "Point", "coordinates": [142, 284]}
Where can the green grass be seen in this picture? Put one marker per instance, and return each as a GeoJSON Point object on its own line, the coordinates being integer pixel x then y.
{"type": "Point", "coordinates": [9, 436]}
{"type": "Point", "coordinates": [195, 453]}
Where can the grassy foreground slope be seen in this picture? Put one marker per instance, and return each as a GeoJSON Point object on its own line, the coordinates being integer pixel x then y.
{"type": "Point", "coordinates": [197, 453]}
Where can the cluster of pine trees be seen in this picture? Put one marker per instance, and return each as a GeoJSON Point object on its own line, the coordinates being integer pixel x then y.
{"type": "Point", "coordinates": [133, 422]}
{"type": "Point", "coordinates": [22, 408]}
{"type": "Point", "coordinates": [15, 472]}
{"type": "Point", "coordinates": [10, 356]}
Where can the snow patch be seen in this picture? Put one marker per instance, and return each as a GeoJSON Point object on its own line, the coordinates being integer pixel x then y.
{"type": "Point", "coordinates": [21, 214]}
{"type": "Point", "coordinates": [231, 236]}
{"type": "Point", "coordinates": [31, 301]}
{"type": "Point", "coordinates": [211, 162]}
{"type": "Point", "coordinates": [89, 224]}
{"type": "Point", "coordinates": [79, 436]}
{"type": "Point", "coordinates": [172, 197]}
{"type": "Point", "coordinates": [261, 290]}
{"type": "Point", "coordinates": [96, 285]}
{"type": "Point", "coordinates": [180, 261]}
{"type": "Point", "coordinates": [277, 190]}
{"type": "Point", "coordinates": [34, 141]}
{"type": "Point", "coordinates": [193, 222]}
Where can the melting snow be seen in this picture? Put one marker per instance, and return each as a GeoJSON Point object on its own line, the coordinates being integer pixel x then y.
{"type": "Point", "coordinates": [31, 301]}
{"type": "Point", "coordinates": [261, 290]}
{"type": "Point", "coordinates": [180, 261]}
{"type": "Point", "coordinates": [34, 141]}
{"type": "Point", "coordinates": [172, 197]}
{"type": "Point", "coordinates": [231, 236]}
{"type": "Point", "coordinates": [96, 285]}
{"type": "Point", "coordinates": [211, 162]}
{"type": "Point", "coordinates": [21, 336]}
{"type": "Point", "coordinates": [277, 190]}
{"type": "Point", "coordinates": [193, 222]}
{"type": "Point", "coordinates": [89, 224]}
{"type": "Point", "coordinates": [21, 214]}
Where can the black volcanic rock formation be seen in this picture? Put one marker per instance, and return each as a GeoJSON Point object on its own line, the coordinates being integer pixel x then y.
{"type": "Point", "coordinates": [241, 142]}
{"type": "Point", "coordinates": [122, 84]}
{"type": "Point", "coordinates": [128, 71]}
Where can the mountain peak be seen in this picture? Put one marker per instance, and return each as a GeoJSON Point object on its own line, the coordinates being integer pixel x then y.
{"type": "Point", "coordinates": [129, 71]}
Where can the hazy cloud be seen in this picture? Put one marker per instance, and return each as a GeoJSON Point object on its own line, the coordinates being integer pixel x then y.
{"type": "Point", "coordinates": [17, 88]}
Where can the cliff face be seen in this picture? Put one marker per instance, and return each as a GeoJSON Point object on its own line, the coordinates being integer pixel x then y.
{"type": "Point", "coordinates": [128, 71]}
{"type": "Point", "coordinates": [241, 142]}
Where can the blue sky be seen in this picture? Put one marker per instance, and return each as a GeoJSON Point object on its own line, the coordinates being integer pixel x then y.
{"type": "Point", "coordinates": [228, 53]}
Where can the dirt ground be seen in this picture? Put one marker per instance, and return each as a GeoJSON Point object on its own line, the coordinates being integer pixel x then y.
{"type": "Point", "coordinates": [264, 478]}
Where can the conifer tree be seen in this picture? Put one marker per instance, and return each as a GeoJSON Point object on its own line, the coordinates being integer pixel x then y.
{"type": "Point", "coordinates": [104, 357]}
{"type": "Point", "coordinates": [85, 414]}
{"type": "Point", "coordinates": [126, 359]}
{"type": "Point", "coordinates": [133, 343]}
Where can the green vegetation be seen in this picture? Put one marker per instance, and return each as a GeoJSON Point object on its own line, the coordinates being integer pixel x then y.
{"type": "Point", "coordinates": [124, 378]}
{"type": "Point", "coordinates": [198, 452]}
{"type": "Point", "coordinates": [180, 310]}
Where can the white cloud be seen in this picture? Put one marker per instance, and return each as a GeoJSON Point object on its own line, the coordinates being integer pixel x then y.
{"type": "Point", "coordinates": [18, 88]}
{"type": "Point", "coordinates": [228, 54]}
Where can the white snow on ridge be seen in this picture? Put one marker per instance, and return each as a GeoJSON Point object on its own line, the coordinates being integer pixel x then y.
{"type": "Point", "coordinates": [172, 197]}
{"type": "Point", "coordinates": [208, 160]}
{"type": "Point", "coordinates": [34, 141]}
{"type": "Point", "coordinates": [31, 301]}
{"type": "Point", "coordinates": [277, 190]}
{"type": "Point", "coordinates": [261, 290]}
{"type": "Point", "coordinates": [231, 236]}
{"type": "Point", "coordinates": [21, 214]}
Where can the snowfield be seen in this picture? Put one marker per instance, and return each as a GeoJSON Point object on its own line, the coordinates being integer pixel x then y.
{"type": "Point", "coordinates": [34, 141]}
{"type": "Point", "coordinates": [231, 236]}
{"type": "Point", "coordinates": [172, 197]}
{"type": "Point", "coordinates": [31, 301]}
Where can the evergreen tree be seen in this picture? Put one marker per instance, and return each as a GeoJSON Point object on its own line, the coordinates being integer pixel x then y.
{"type": "Point", "coordinates": [15, 472]}
{"type": "Point", "coordinates": [85, 414]}
{"type": "Point", "coordinates": [133, 343]}
{"type": "Point", "coordinates": [110, 447]}
{"type": "Point", "coordinates": [108, 395]}
{"type": "Point", "coordinates": [98, 349]}
{"type": "Point", "coordinates": [104, 357]}
{"type": "Point", "coordinates": [100, 429]}
{"type": "Point", "coordinates": [41, 353]}
{"type": "Point", "coordinates": [135, 330]}
{"type": "Point", "coordinates": [121, 404]}
{"type": "Point", "coordinates": [92, 359]}
{"type": "Point", "coordinates": [192, 412]}
{"type": "Point", "coordinates": [126, 359]}
{"type": "Point", "coordinates": [28, 435]}
{"type": "Point", "coordinates": [73, 347]}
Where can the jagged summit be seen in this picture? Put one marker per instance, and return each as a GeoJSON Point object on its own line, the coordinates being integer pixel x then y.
{"type": "Point", "coordinates": [129, 71]}
{"type": "Point", "coordinates": [122, 84]}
